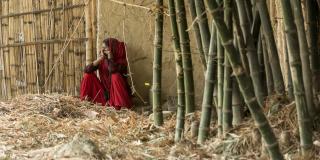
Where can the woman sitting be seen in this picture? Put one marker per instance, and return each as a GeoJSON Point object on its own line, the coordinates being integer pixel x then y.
{"type": "Point", "coordinates": [112, 88]}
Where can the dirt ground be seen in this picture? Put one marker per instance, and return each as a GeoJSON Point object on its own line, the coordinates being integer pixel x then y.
{"type": "Point", "coordinates": [62, 127]}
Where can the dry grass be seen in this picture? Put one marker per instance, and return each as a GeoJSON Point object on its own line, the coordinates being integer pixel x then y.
{"type": "Point", "coordinates": [31, 122]}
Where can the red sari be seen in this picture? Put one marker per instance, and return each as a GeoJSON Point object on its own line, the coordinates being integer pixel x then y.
{"type": "Point", "coordinates": [112, 88]}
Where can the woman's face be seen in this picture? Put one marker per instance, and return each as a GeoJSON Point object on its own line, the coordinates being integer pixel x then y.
{"type": "Point", "coordinates": [105, 49]}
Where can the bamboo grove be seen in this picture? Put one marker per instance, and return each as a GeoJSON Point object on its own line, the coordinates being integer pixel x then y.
{"type": "Point", "coordinates": [238, 51]}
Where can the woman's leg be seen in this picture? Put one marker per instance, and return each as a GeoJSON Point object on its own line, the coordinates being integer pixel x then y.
{"type": "Point", "coordinates": [91, 89]}
{"type": "Point", "coordinates": [119, 95]}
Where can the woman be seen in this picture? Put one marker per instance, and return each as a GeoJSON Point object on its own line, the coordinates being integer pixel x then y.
{"type": "Point", "coordinates": [112, 88]}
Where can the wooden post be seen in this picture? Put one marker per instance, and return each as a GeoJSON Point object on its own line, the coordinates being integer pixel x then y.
{"type": "Point", "coordinates": [5, 51]}
{"type": "Point", "coordinates": [89, 35]}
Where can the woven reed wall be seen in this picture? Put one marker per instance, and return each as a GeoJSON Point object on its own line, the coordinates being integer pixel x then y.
{"type": "Point", "coordinates": [43, 46]}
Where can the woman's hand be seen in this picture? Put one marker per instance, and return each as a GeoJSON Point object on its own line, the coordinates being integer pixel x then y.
{"type": "Point", "coordinates": [101, 57]}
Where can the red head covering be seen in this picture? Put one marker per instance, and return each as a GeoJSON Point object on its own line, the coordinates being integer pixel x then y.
{"type": "Point", "coordinates": [117, 49]}
{"type": "Point", "coordinates": [118, 52]}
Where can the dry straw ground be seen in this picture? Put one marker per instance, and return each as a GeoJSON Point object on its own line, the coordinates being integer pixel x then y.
{"type": "Point", "coordinates": [62, 127]}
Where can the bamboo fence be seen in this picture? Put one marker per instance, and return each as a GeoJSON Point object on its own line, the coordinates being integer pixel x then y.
{"type": "Point", "coordinates": [45, 44]}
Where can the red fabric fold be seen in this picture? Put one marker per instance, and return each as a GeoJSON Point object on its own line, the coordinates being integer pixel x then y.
{"type": "Point", "coordinates": [91, 89]}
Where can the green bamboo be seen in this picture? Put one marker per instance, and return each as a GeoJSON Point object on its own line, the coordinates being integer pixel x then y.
{"type": "Point", "coordinates": [227, 84]}
{"type": "Point", "coordinates": [186, 56]}
{"type": "Point", "coordinates": [267, 67]}
{"type": "Point", "coordinates": [245, 83]}
{"type": "Point", "coordinates": [248, 10]}
{"type": "Point", "coordinates": [207, 102]}
{"type": "Point", "coordinates": [271, 44]}
{"type": "Point", "coordinates": [240, 42]}
{"type": "Point", "coordinates": [289, 77]}
{"type": "Point", "coordinates": [262, 74]}
{"type": "Point", "coordinates": [157, 63]}
{"type": "Point", "coordinates": [197, 33]}
{"type": "Point", "coordinates": [297, 78]}
{"type": "Point", "coordinates": [237, 108]}
{"type": "Point", "coordinates": [256, 25]}
{"type": "Point", "coordinates": [203, 25]}
{"type": "Point", "coordinates": [220, 59]}
{"type": "Point", "coordinates": [179, 70]}
{"type": "Point", "coordinates": [251, 51]}
{"type": "Point", "coordinates": [312, 18]}
{"type": "Point", "coordinates": [304, 55]}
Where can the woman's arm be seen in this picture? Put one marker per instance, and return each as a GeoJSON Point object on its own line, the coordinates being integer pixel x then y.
{"type": "Point", "coordinates": [94, 65]}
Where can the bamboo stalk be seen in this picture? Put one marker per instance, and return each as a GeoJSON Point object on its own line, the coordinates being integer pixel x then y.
{"type": "Point", "coordinates": [45, 46]}
{"type": "Point", "coordinates": [186, 56]}
{"type": "Point", "coordinates": [204, 26]}
{"type": "Point", "coordinates": [220, 73]}
{"type": "Point", "coordinates": [240, 41]}
{"type": "Point", "coordinates": [207, 102]}
{"type": "Point", "coordinates": [312, 18]}
{"type": "Point", "coordinates": [179, 72]}
{"type": "Point", "coordinates": [77, 50]}
{"type": "Point", "coordinates": [157, 63]}
{"type": "Point", "coordinates": [51, 35]}
{"type": "Point", "coordinates": [237, 106]}
{"type": "Point", "coordinates": [63, 68]}
{"type": "Point", "coordinates": [197, 34]}
{"type": "Point", "coordinates": [89, 43]}
{"type": "Point", "coordinates": [245, 83]}
{"type": "Point", "coordinates": [267, 67]}
{"type": "Point", "coordinates": [11, 38]}
{"type": "Point", "coordinates": [289, 77]}
{"type": "Point", "coordinates": [94, 28]}
{"type": "Point", "coordinates": [304, 55]}
{"type": "Point", "coordinates": [271, 44]}
{"type": "Point", "coordinates": [297, 79]}
{"type": "Point", "coordinates": [227, 84]}
{"type": "Point", "coordinates": [5, 37]}
{"type": "Point", "coordinates": [39, 54]}
{"type": "Point", "coordinates": [33, 53]}
{"type": "Point", "coordinates": [251, 51]}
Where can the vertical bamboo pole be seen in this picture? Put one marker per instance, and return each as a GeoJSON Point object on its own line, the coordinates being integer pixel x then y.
{"type": "Point", "coordinates": [271, 44]}
{"type": "Point", "coordinates": [197, 33]}
{"type": "Point", "coordinates": [89, 35]}
{"type": "Point", "coordinates": [267, 67]}
{"type": "Point", "coordinates": [227, 84]}
{"type": "Point", "coordinates": [39, 55]}
{"type": "Point", "coordinates": [207, 102]}
{"type": "Point", "coordinates": [11, 38]}
{"type": "Point", "coordinates": [304, 55]}
{"type": "Point", "coordinates": [204, 26]}
{"type": "Point", "coordinates": [94, 28]}
{"type": "Point", "coordinates": [312, 21]}
{"type": "Point", "coordinates": [5, 38]}
{"type": "Point", "coordinates": [45, 47]}
{"type": "Point", "coordinates": [304, 120]}
{"type": "Point", "coordinates": [61, 35]}
{"type": "Point", "coordinates": [33, 53]}
{"type": "Point", "coordinates": [251, 51]}
{"type": "Point", "coordinates": [179, 72]}
{"type": "Point", "coordinates": [51, 35]}
{"type": "Point", "coordinates": [186, 56]}
{"type": "Point", "coordinates": [23, 49]}
{"type": "Point", "coordinates": [289, 77]}
{"type": "Point", "coordinates": [2, 91]}
{"type": "Point", "coordinates": [157, 63]}
{"type": "Point", "coordinates": [220, 75]}
{"type": "Point", "coordinates": [77, 57]}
